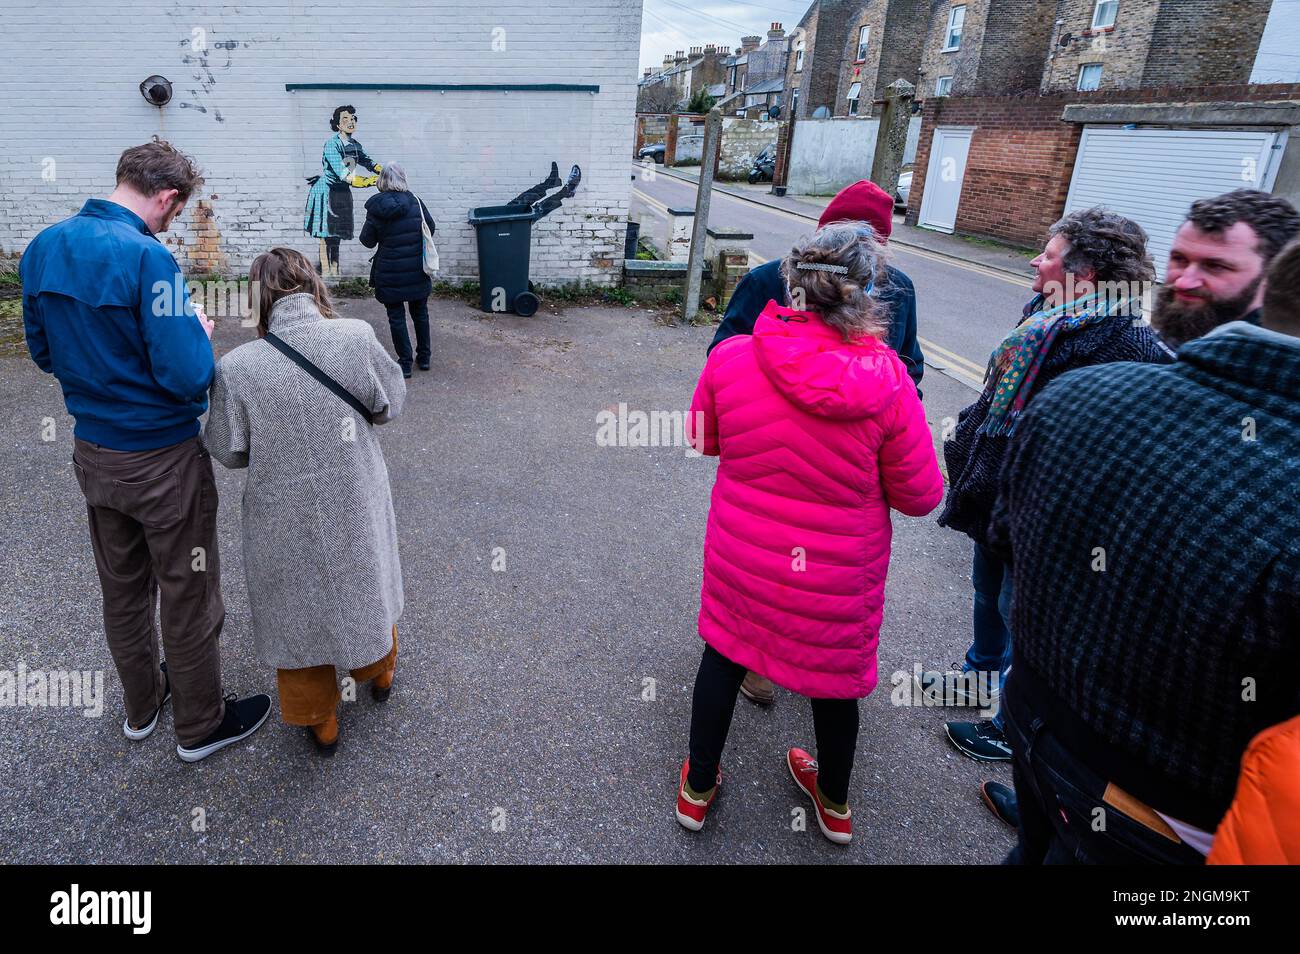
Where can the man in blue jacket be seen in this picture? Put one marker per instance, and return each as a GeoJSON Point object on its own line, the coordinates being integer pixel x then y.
{"type": "Point", "coordinates": [107, 312]}
{"type": "Point", "coordinates": [863, 201]}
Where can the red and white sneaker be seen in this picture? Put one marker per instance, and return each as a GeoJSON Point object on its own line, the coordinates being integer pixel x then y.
{"type": "Point", "coordinates": [691, 812]}
{"type": "Point", "coordinates": [803, 769]}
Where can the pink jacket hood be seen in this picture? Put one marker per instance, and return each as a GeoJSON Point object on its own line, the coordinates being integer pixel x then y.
{"type": "Point", "coordinates": [808, 362]}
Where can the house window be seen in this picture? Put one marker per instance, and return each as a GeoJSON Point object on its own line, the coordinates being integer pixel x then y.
{"type": "Point", "coordinates": [794, 102]}
{"type": "Point", "coordinates": [798, 61]}
{"type": "Point", "coordinates": [1104, 14]}
{"type": "Point", "coordinates": [943, 86]}
{"type": "Point", "coordinates": [855, 91]}
{"type": "Point", "coordinates": [956, 20]}
{"type": "Point", "coordinates": [1090, 76]}
{"type": "Point", "coordinates": [864, 39]}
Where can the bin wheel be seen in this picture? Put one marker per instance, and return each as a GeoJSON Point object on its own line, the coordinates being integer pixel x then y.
{"type": "Point", "coordinates": [526, 304]}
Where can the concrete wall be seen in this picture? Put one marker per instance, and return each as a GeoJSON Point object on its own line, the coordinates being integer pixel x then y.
{"type": "Point", "coordinates": [742, 140]}
{"type": "Point", "coordinates": [70, 78]}
{"type": "Point", "coordinates": [828, 154]}
{"type": "Point", "coordinates": [690, 140]}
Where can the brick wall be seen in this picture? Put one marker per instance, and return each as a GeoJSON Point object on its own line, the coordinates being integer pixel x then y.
{"type": "Point", "coordinates": [70, 85]}
{"type": "Point", "coordinates": [1206, 41]}
{"type": "Point", "coordinates": [825, 34]}
{"type": "Point", "coordinates": [1158, 43]}
{"type": "Point", "coordinates": [1016, 38]}
{"type": "Point", "coordinates": [961, 64]}
{"type": "Point", "coordinates": [1022, 155]}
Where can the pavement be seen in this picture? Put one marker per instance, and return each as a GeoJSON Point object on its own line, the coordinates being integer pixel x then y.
{"type": "Point", "coordinates": [540, 714]}
{"type": "Point", "coordinates": [983, 252]}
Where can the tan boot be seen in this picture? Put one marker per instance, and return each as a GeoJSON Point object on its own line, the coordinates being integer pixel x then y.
{"type": "Point", "coordinates": [758, 690]}
{"type": "Point", "coordinates": [326, 736]}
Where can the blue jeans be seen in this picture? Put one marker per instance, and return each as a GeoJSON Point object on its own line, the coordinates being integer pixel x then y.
{"type": "Point", "coordinates": [990, 651]}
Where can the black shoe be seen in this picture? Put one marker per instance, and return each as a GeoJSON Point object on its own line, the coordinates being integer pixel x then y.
{"type": "Point", "coordinates": [950, 688]}
{"type": "Point", "coordinates": [1001, 801]}
{"type": "Point", "coordinates": [406, 372]}
{"type": "Point", "coordinates": [553, 179]}
{"type": "Point", "coordinates": [981, 741]}
{"type": "Point", "coordinates": [323, 750]}
{"type": "Point", "coordinates": [424, 365]}
{"type": "Point", "coordinates": [135, 735]}
{"type": "Point", "coordinates": [571, 184]}
{"type": "Point", "coordinates": [243, 718]}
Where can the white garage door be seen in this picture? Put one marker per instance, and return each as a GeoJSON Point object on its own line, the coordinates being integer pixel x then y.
{"type": "Point", "coordinates": [1154, 175]}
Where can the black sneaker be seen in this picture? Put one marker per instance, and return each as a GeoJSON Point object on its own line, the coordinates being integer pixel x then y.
{"type": "Point", "coordinates": [243, 718]}
{"type": "Point", "coordinates": [951, 688]}
{"type": "Point", "coordinates": [1001, 801]}
{"type": "Point", "coordinates": [424, 365]}
{"type": "Point", "coordinates": [135, 735]}
{"type": "Point", "coordinates": [982, 741]}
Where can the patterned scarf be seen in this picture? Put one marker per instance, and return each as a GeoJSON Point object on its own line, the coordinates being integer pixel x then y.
{"type": "Point", "coordinates": [1015, 364]}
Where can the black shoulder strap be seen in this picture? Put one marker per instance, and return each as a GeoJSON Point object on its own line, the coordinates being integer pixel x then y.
{"type": "Point", "coordinates": [299, 359]}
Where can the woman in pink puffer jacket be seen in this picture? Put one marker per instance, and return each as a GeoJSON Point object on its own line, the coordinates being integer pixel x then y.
{"type": "Point", "coordinates": [820, 435]}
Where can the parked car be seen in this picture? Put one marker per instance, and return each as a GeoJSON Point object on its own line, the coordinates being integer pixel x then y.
{"type": "Point", "coordinates": [904, 189]}
{"type": "Point", "coordinates": [654, 151]}
{"type": "Point", "coordinates": [764, 165]}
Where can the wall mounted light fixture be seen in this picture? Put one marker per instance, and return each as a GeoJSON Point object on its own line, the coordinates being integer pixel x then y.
{"type": "Point", "coordinates": [157, 91]}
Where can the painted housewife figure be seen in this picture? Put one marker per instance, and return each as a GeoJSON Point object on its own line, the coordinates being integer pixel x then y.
{"type": "Point", "coordinates": [328, 216]}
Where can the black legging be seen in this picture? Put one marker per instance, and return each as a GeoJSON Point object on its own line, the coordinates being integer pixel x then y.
{"type": "Point", "coordinates": [402, 338]}
{"type": "Point", "coordinates": [835, 722]}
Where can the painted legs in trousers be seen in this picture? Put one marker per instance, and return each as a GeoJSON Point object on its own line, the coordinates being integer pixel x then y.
{"type": "Point", "coordinates": [153, 526]}
{"type": "Point", "coordinates": [835, 722]}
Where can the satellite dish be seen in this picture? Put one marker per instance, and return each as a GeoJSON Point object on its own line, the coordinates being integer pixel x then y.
{"type": "Point", "coordinates": [821, 112]}
{"type": "Point", "coordinates": [774, 112]}
{"type": "Point", "coordinates": [1066, 39]}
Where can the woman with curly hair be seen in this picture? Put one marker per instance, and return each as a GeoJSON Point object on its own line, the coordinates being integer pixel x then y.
{"type": "Point", "coordinates": [1091, 279]}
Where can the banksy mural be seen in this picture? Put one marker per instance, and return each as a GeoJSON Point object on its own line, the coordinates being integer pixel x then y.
{"type": "Point", "coordinates": [328, 216]}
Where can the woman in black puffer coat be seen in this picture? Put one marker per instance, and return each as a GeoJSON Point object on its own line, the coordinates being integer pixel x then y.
{"type": "Point", "coordinates": [397, 268]}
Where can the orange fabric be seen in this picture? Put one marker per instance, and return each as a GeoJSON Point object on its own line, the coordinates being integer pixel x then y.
{"type": "Point", "coordinates": [1262, 826]}
{"type": "Point", "coordinates": [311, 696]}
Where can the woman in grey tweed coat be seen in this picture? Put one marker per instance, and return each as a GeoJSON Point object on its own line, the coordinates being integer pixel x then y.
{"type": "Point", "coordinates": [320, 539]}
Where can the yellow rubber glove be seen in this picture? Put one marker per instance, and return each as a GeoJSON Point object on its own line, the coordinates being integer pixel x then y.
{"type": "Point", "coordinates": [378, 167]}
{"type": "Point", "coordinates": [364, 182]}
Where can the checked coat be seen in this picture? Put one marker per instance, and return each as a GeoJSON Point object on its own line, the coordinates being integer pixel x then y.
{"type": "Point", "coordinates": [1158, 667]}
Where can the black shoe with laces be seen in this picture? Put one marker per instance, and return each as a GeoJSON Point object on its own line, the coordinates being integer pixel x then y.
{"type": "Point", "coordinates": [982, 741]}
{"type": "Point", "coordinates": [243, 718]}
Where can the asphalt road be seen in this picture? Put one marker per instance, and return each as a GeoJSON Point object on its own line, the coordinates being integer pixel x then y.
{"type": "Point", "coordinates": [962, 311]}
{"type": "Point", "coordinates": [522, 727]}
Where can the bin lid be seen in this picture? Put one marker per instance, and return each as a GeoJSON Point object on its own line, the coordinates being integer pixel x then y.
{"type": "Point", "coordinates": [501, 213]}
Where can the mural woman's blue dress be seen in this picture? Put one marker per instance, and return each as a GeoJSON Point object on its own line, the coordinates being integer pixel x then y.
{"type": "Point", "coordinates": [329, 203]}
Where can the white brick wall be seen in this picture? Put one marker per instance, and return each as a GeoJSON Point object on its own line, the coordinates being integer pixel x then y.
{"type": "Point", "coordinates": [70, 72]}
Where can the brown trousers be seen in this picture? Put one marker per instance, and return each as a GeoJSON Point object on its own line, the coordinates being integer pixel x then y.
{"type": "Point", "coordinates": [153, 526]}
{"type": "Point", "coordinates": [310, 696]}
